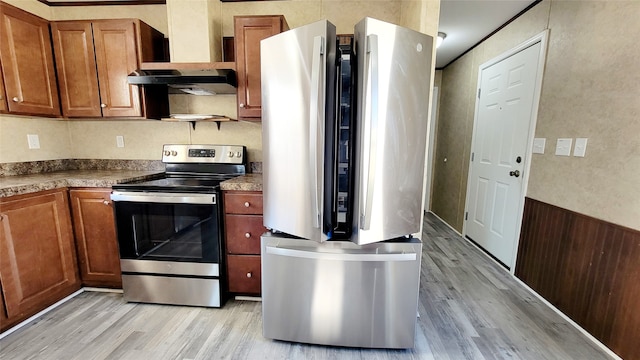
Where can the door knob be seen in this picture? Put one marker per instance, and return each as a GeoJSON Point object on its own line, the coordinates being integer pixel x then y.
{"type": "Point", "coordinates": [514, 173]}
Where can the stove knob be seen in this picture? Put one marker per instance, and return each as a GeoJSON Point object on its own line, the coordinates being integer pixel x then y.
{"type": "Point", "coordinates": [167, 153]}
{"type": "Point", "coordinates": [231, 154]}
{"type": "Point", "coordinates": [238, 154]}
{"type": "Point", "coordinates": [174, 153]}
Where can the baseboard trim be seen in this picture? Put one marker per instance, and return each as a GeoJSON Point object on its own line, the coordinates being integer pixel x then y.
{"type": "Point", "coordinates": [55, 305]}
{"type": "Point", "coordinates": [544, 301]}
{"type": "Point", "coordinates": [568, 319]}
{"type": "Point", "coordinates": [248, 298]}
{"type": "Point", "coordinates": [446, 223]}
{"type": "Point", "coordinates": [42, 312]}
{"type": "Point", "coordinates": [104, 290]}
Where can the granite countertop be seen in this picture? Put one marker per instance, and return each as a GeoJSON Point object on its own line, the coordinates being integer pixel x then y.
{"type": "Point", "coordinates": [248, 182]}
{"type": "Point", "coordinates": [24, 184]}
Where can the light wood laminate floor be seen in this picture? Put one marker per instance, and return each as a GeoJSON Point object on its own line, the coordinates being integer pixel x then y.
{"type": "Point", "coordinates": [470, 308]}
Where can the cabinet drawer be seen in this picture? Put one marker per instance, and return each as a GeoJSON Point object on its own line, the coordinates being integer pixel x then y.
{"type": "Point", "coordinates": [243, 234]}
{"type": "Point", "coordinates": [243, 203]}
{"type": "Point", "coordinates": [244, 274]}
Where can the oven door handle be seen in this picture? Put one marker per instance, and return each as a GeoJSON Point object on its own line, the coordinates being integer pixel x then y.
{"type": "Point", "coordinates": [164, 198]}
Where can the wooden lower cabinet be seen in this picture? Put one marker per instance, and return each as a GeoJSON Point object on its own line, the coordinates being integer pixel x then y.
{"type": "Point", "coordinates": [96, 240]}
{"type": "Point", "coordinates": [244, 274]}
{"type": "Point", "coordinates": [37, 254]}
{"type": "Point", "coordinates": [243, 228]}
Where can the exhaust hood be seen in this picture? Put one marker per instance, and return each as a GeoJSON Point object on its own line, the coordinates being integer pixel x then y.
{"type": "Point", "coordinates": [187, 80]}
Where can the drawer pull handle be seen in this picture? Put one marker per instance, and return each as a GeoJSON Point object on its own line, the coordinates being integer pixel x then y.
{"type": "Point", "coordinates": [246, 204]}
{"type": "Point", "coordinates": [249, 275]}
{"type": "Point", "coordinates": [247, 235]}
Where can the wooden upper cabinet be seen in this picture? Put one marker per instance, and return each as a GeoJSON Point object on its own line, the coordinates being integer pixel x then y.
{"type": "Point", "coordinates": [37, 256]}
{"type": "Point", "coordinates": [3, 96]}
{"type": "Point", "coordinates": [96, 240]}
{"type": "Point", "coordinates": [95, 57]}
{"type": "Point", "coordinates": [27, 63]}
{"type": "Point", "coordinates": [76, 66]}
{"type": "Point", "coordinates": [248, 32]}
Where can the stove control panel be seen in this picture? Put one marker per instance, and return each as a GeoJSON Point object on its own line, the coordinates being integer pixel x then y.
{"type": "Point", "coordinates": [218, 154]}
{"type": "Point", "coordinates": [207, 153]}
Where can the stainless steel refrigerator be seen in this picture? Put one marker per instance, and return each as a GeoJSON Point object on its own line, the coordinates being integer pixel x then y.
{"type": "Point", "coordinates": [344, 140]}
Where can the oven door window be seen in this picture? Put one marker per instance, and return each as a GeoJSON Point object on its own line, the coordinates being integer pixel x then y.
{"type": "Point", "coordinates": [168, 232]}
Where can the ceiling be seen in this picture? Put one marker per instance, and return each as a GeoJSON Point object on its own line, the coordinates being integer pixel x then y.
{"type": "Point", "coordinates": [467, 22]}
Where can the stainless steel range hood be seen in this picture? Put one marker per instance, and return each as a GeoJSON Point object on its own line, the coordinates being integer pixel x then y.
{"type": "Point", "coordinates": [186, 78]}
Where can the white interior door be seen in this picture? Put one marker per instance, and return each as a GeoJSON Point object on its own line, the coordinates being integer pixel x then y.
{"type": "Point", "coordinates": [507, 92]}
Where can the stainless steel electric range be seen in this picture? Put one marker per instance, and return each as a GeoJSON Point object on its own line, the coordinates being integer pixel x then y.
{"type": "Point", "coordinates": [170, 228]}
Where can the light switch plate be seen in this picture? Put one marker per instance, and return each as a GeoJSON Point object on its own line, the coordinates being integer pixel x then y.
{"type": "Point", "coordinates": [581, 147]}
{"type": "Point", "coordinates": [120, 141]}
{"type": "Point", "coordinates": [563, 147]}
{"type": "Point", "coordinates": [34, 141]}
{"type": "Point", "coordinates": [538, 145]}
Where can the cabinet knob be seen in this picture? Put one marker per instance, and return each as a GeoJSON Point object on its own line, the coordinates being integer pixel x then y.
{"type": "Point", "coordinates": [103, 105]}
{"type": "Point", "coordinates": [242, 106]}
{"type": "Point", "coordinates": [106, 202]}
{"type": "Point", "coordinates": [15, 99]}
{"type": "Point", "coordinates": [249, 274]}
{"type": "Point", "coordinates": [1, 97]}
{"type": "Point", "coordinates": [246, 204]}
{"type": "Point", "coordinates": [247, 235]}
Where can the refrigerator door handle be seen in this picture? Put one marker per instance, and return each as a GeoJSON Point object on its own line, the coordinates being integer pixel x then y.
{"type": "Point", "coordinates": [316, 119]}
{"type": "Point", "coordinates": [362, 257]}
{"type": "Point", "coordinates": [371, 104]}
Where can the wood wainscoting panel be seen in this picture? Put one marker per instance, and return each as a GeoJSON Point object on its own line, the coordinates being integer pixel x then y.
{"type": "Point", "coordinates": [588, 268]}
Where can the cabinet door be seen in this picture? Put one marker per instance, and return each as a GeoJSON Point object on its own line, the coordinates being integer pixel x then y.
{"type": "Point", "coordinates": [249, 31]}
{"type": "Point", "coordinates": [116, 57]}
{"type": "Point", "coordinates": [27, 63]}
{"type": "Point", "coordinates": [76, 68]}
{"type": "Point", "coordinates": [3, 311]}
{"type": "Point", "coordinates": [96, 241]}
{"type": "Point", "coordinates": [245, 275]}
{"type": "Point", "coordinates": [3, 97]}
{"type": "Point", "coordinates": [243, 234]}
{"type": "Point", "coordinates": [243, 202]}
{"type": "Point", "coordinates": [37, 256]}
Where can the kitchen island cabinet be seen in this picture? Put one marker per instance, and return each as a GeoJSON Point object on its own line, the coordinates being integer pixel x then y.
{"type": "Point", "coordinates": [93, 60]}
{"type": "Point", "coordinates": [243, 228]}
{"type": "Point", "coordinates": [27, 63]}
{"type": "Point", "coordinates": [95, 234]}
{"type": "Point", "coordinates": [37, 255]}
{"type": "Point", "coordinates": [248, 31]}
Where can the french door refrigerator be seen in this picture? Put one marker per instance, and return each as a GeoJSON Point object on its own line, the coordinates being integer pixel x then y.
{"type": "Point", "coordinates": [344, 135]}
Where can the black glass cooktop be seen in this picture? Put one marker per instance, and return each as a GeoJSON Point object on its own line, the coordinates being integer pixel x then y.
{"type": "Point", "coordinates": [204, 184]}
